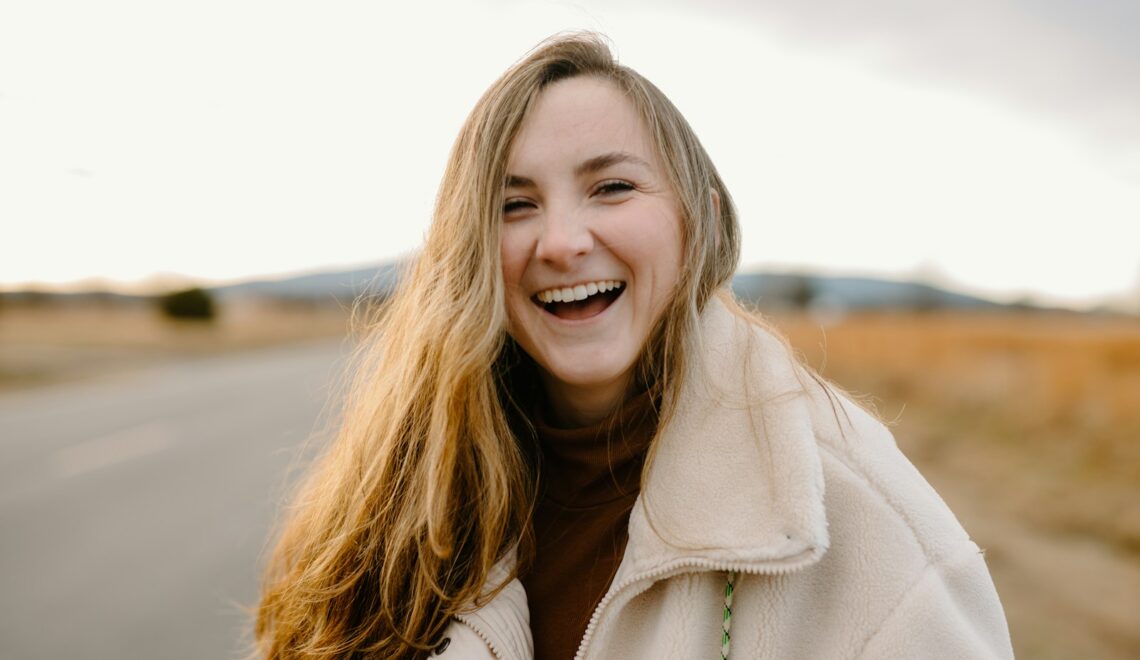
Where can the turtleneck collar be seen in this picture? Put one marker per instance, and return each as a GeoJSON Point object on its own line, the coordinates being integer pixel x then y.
{"type": "Point", "coordinates": [594, 465]}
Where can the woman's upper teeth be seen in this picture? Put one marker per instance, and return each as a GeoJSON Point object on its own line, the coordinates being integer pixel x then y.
{"type": "Point", "coordinates": [578, 291]}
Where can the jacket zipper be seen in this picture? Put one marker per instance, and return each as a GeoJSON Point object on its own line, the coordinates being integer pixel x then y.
{"type": "Point", "coordinates": [467, 622]}
{"type": "Point", "coordinates": [782, 567]}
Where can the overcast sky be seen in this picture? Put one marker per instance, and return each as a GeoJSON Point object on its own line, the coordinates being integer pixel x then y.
{"type": "Point", "coordinates": [988, 145]}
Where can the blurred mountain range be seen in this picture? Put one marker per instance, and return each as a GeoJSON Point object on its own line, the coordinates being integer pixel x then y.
{"type": "Point", "coordinates": [764, 289]}
{"type": "Point", "coordinates": [341, 285]}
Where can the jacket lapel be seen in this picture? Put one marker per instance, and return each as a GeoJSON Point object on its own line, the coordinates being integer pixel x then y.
{"type": "Point", "coordinates": [736, 477]}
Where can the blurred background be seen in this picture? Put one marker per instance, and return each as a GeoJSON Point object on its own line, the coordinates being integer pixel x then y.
{"type": "Point", "coordinates": [940, 204]}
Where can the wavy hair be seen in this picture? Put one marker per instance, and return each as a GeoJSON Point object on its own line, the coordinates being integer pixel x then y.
{"type": "Point", "coordinates": [429, 480]}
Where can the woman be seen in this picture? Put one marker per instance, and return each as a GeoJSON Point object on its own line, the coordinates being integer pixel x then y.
{"type": "Point", "coordinates": [566, 440]}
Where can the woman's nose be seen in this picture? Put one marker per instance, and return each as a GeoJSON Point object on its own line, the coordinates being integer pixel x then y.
{"type": "Point", "coordinates": [565, 238]}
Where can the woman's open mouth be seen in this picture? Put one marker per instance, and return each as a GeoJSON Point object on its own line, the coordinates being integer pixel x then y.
{"type": "Point", "coordinates": [581, 301]}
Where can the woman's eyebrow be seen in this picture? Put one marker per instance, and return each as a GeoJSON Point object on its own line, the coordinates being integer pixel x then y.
{"type": "Point", "coordinates": [591, 166]}
{"type": "Point", "coordinates": [598, 163]}
{"type": "Point", "coordinates": [515, 181]}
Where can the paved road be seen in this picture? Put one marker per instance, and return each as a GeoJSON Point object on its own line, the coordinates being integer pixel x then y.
{"type": "Point", "coordinates": [134, 511]}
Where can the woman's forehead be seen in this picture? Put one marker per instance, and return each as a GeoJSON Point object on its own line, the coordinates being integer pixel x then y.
{"type": "Point", "coordinates": [580, 118]}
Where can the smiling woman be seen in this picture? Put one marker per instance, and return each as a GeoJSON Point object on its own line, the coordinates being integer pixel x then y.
{"type": "Point", "coordinates": [565, 439]}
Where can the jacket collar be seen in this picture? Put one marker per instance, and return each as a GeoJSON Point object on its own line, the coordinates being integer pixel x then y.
{"type": "Point", "coordinates": [736, 478]}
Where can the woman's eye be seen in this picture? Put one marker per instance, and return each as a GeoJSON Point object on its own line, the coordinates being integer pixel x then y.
{"type": "Point", "coordinates": [514, 205]}
{"type": "Point", "coordinates": [612, 187]}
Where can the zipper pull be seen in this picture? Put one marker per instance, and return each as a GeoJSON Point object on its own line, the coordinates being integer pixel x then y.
{"type": "Point", "coordinates": [726, 624]}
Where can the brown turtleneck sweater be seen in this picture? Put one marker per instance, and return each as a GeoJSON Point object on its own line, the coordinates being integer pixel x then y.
{"type": "Point", "coordinates": [589, 479]}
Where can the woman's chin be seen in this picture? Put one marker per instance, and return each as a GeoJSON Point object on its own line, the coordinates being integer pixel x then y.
{"type": "Point", "coordinates": [596, 382]}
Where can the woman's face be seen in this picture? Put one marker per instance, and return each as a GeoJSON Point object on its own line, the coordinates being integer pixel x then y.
{"type": "Point", "coordinates": [591, 243]}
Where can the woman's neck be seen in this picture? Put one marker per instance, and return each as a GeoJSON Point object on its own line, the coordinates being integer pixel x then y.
{"type": "Point", "coordinates": [575, 406]}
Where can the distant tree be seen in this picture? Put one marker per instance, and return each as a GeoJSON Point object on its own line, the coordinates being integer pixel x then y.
{"type": "Point", "coordinates": [926, 299]}
{"type": "Point", "coordinates": [1025, 304]}
{"type": "Point", "coordinates": [195, 304]}
{"type": "Point", "coordinates": [35, 298]}
{"type": "Point", "coordinates": [801, 291]}
{"type": "Point", "coordinates": [103, 299]}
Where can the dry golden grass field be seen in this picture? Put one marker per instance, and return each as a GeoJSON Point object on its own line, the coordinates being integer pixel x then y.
{"type": "Point", "coordinates": [1028, 424]}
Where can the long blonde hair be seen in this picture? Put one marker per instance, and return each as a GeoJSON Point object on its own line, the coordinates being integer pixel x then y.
{"type": "Point", "coordinates": [429, 480]}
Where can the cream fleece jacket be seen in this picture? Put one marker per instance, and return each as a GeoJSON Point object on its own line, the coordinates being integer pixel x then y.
{"type": "Point", "coordinates": [842, 549]}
